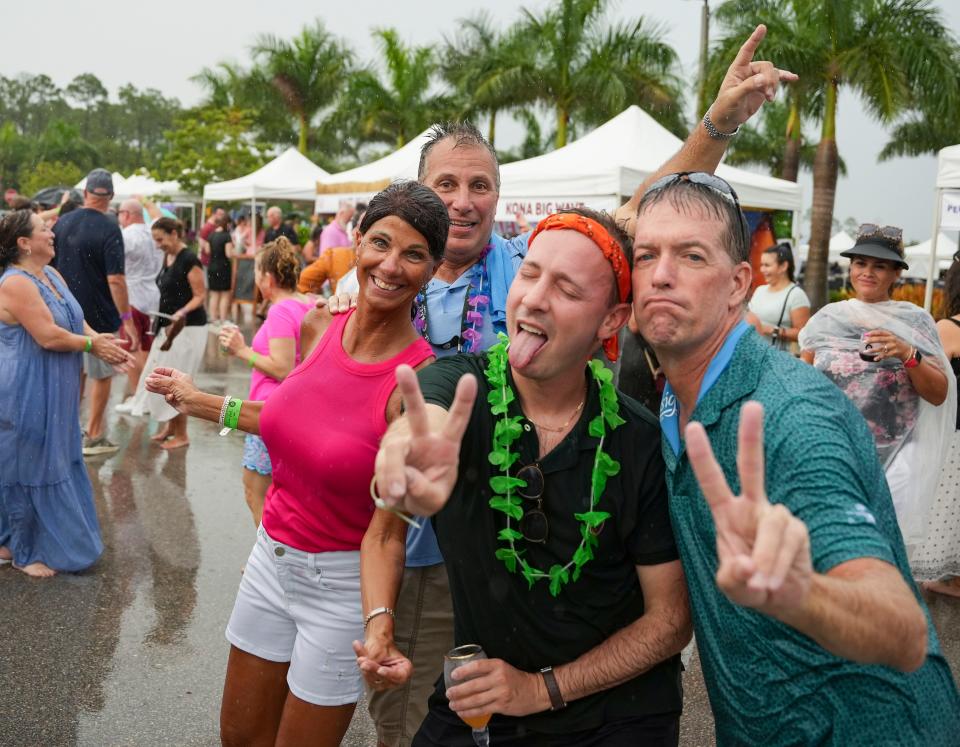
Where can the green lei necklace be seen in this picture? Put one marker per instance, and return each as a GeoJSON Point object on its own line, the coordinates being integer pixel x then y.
{"type": "Point", "coordinates": [506, 431]}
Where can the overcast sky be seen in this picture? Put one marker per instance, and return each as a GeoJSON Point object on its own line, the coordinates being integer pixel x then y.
{"type": "Point", "coordinates": [163, 44]}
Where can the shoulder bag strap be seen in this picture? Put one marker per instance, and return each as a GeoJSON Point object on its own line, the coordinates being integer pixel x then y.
{"type": "Point", "coordinates": [784, 309]}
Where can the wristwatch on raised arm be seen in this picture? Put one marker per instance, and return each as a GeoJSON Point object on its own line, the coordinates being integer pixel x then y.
{"type": "Point", "coordinates": [914, 360]}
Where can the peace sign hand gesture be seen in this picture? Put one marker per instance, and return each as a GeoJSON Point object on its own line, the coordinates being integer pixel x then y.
{"type": "Point", "coordinates": [416, 467]}
{"type": "Point", "coordinates": [763, 549]}
{"type": "Point", "coordinates": [747, 85]}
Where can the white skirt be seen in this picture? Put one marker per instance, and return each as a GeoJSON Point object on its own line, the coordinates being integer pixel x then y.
{"type": "Point", "coordinates": [939, 554]}
{"type": "Point", "coordinates": [185, 354]}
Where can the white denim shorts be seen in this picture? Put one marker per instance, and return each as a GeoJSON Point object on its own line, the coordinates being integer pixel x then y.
{"type": "Point", "coordinates": [303, 608]}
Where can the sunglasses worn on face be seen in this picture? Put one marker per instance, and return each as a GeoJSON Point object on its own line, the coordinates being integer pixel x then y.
{"type": "Point", "coordinates": [873, 231]}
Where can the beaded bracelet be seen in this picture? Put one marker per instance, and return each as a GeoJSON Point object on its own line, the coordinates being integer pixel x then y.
{"type": "Point", "coordinates": [223, 410]}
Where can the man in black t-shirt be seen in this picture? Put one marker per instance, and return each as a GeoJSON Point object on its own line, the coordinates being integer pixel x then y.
{"type": "Point", "coordinates": [570, 579]}
{"type": "Point", "coordinates": [89, 255]}
{"type": "Point", "coordinates": [276, 228]}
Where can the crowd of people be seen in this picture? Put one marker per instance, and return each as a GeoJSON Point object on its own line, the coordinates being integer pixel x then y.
{"type": "Point", "coordinates": [480, 483]}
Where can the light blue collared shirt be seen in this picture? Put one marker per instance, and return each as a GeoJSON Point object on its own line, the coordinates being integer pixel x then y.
{"type": "Point", "coordinates": [670, 406]}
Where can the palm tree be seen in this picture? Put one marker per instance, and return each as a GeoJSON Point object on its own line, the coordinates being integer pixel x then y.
{"type": "Point", "coordinates": [786, 43]}
{"type": "Point", "coordinates": [885, 50]}
{"type": "Point", "coordinates": [587, 71]}
{"type": "Point", "coordinates": [893, 53]}
{"type": "Point", "coordinates": [307, 73]}
{"type": "Point", "coordinates": [763, 144]}
{"type": "Point", "coordinates": [399, 109]}
{"type": "Point", "coordinates": [486, 69]}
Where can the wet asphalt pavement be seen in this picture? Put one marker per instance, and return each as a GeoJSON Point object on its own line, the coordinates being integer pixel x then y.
{"type": "Point", "coordinates": [132, 652]}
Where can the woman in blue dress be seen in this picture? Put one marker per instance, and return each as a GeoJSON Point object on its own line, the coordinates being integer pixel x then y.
{"type": "Point", "coordinates": [48, 522]}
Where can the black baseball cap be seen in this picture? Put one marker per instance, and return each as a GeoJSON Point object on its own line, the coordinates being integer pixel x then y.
{"type": "Point", "coordinates": [100, 183]}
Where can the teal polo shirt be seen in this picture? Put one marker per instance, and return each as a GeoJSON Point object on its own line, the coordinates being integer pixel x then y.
{"type": "Point", "coordinates": [769, 684]}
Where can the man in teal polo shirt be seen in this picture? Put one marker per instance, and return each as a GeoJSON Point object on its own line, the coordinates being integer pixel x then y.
{"type": "Point", "coordinates": [809, 626]}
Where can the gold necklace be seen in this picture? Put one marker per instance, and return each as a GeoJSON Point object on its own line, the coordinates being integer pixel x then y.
{"type": "Point", "coordinates": [562, 427]}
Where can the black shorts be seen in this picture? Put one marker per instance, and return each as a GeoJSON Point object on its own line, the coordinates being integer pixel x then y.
{"type": "Point", "coordinates": [442, 728]}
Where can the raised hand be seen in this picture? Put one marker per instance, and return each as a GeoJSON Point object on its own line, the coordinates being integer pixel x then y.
{"type": "Point", "coordinates": [747, 85]}
{"type": "Point", "coordinates": [175, 386]}
{"type": "Point", "coordinates": [763, 550]}
{"type": "Point", "coordinates": [416, 466]}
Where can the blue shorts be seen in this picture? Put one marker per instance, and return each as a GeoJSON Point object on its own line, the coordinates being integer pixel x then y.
{"type": "Point", "coordinates": [255, 456]}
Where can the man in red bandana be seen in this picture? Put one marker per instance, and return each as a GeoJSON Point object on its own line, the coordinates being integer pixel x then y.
{"type": "Point", "coordinates": [547, 495]}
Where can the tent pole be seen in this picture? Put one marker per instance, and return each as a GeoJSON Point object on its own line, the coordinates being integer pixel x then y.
{"type": "Point", "coordinates": [253, 221]}
{"type": "Point", "coordinates": [934, 269]}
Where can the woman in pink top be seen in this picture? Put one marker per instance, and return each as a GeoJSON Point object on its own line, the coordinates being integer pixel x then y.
{"type": "Point", "coordinates": [272, 355]}
{"type": "Point", "coordinates": [292, 676]}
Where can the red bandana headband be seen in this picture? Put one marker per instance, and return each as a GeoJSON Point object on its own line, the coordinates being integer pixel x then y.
{"type": "Point", "coordinates": [611, 251]}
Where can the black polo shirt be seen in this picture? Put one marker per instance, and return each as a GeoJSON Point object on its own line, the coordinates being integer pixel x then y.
{"type": "Point", "coordinates": [529, 628]}
{"type": "Point", "coordinates": [272, 234]}
{"type": "Point", "coordinates": [89, 248]}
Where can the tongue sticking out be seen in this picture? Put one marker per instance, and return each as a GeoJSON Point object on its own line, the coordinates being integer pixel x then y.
{"type": "Point", "coordinates": [523, 346]}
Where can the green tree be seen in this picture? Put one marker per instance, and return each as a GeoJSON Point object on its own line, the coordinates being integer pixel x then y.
{"type": "Point", "coordinates": [44, 174]}
{"type": "Point", "coordinates": [586, 70]}
{"type": "Point", "coordinates": [149, 114]}
{"type": "Point", "coordinates": [88, 92]}
{"type": "Point", "coordinates": [209, 145]}
{"type": "Point", "coordinates": [14, 149]}
{"type": "Point", "coordinates": [888, 51]}
{"type": "Point", "coordinates": [306, 74]}
{"type": "Point", "coordinates": [789, 44]}
{"type": "Point", "coordinates": [399, 108]}
{"type": "Point", "coordinates": [486, 70]}
{"type": "Point", "coordinates": [762, 144]}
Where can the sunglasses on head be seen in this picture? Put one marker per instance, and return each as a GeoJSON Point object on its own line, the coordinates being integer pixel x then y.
{"type": "Point", "coordinates": [701, 178]}
{"type": "Point", "coordinates": [873, 231]}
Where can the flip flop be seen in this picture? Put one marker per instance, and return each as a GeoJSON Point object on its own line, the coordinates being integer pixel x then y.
{"type": "Point", "coordinates": [5, 561]}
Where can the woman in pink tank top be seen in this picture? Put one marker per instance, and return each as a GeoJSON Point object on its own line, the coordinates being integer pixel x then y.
{"type": "Point", "coordinates": [292, 672]}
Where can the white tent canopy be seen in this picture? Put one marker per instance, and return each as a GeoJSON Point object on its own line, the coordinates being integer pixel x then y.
{"type": "Point", "coordinates": [608, 164]}
{"type": "Point", "coordinates": [839, 242]}
{"type": "Point", "coordinates": [947, 191]}
{"type": "Point", "coordinates": [141, 184]}
{"type": "Point", "coordinates": [918, 256]}
{"type": "Point", "coordinates": [289, 176]}
{"type": "Point", "coordinates": [362, 182]}
{"type": "Point", "coordinates": [948, 168]}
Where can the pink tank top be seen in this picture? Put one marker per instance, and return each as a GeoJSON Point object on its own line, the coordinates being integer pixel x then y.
{"type": "Point", "coordinates": [322, 427]}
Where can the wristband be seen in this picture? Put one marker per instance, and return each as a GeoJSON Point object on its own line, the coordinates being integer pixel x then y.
{"type": "Point", "coordinates": [253, 357]}
{"type": "Point", "coordinates": [231, 417]}
{"type": "Point", "coordinates": [126, 316]}
{"type": "Point", "coordinates": [377, 612]}
{"type": "Point", "coordinates": [88, 345]}
{"type": "Point", "coordinates": [553, 689]}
